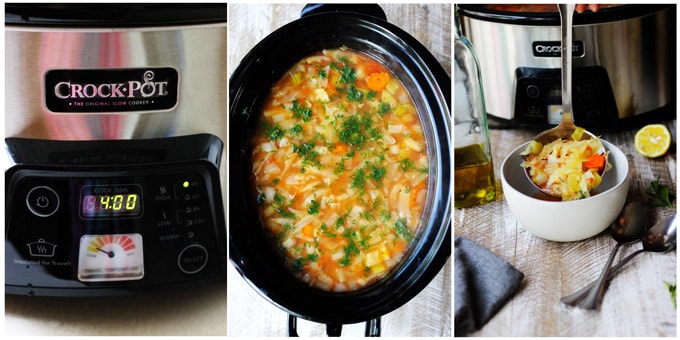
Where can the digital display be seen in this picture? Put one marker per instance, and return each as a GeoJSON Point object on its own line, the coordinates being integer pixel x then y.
{"type": "Point", "coordinates": [111, 201]}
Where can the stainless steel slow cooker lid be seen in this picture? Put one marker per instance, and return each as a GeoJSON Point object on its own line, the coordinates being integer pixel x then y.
{"type": "Point", "coordinates": [552, 18]}
{"type": "Point", "coordinates": [118, 15]}
{"type": "Point", "coordinates": [623, 72]}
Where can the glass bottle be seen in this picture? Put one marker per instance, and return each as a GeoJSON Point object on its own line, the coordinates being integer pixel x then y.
{"type": "Point", "coordinates": [474, 180]}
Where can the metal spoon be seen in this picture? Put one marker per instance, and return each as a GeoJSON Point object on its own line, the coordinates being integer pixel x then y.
{"type": "Point", "coordinates": [628, 227]}
{"type": "Point", "coordinates": [566, 128]}
{"type": "Point", "coordinates": [660, 238]}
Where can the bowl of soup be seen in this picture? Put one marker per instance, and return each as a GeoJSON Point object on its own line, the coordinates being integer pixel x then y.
{"type": "Point", "coordinates": [551, 218]}
{"type": "Point", "coordinates": [340, 184]}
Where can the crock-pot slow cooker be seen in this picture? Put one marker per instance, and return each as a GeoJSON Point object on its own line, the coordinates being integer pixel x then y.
{"type": "Point", "coordinates": [429, 85]}
{"type": "Point", "coordinates": [115, 118]}
{"type": "Point", "coordinates": [624, 66]}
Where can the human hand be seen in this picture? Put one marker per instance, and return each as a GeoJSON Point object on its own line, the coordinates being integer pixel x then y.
{"type": "Point", "coordinates": [580, 8]}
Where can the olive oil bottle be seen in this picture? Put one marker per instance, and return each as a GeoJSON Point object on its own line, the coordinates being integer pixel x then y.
{"type": "Point", "coordinates": [474, 180]}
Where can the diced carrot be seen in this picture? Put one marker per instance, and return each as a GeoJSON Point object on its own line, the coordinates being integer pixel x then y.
{"type": "Point", "coordinates": [340, 149]}
{"type": "Point", "coordinates": [594, 161]}
{"type": "Point", "coordinates": [308, 230]}
{"type": "Point", "coordinates": [378, 80]}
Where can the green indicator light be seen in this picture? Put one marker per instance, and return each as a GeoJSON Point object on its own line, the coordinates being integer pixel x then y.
{"type": "Point", "coordinates": [185, 184]}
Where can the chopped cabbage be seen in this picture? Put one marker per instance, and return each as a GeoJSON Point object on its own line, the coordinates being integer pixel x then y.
{"type": "Point", "coordinates": [569, 169]}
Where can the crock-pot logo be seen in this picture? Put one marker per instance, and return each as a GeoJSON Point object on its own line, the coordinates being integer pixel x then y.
{"type": "Point", "coordinates": [554, 49]}
{"type": "Point", "coordinates": [111, 90]}
{"type": "Point", "coordinates": [132, 89]}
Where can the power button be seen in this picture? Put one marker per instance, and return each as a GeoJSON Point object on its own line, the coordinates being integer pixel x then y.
{"type": "Point", "coordinates": [42, 201]}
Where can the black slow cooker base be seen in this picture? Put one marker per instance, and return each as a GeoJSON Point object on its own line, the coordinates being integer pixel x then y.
{"type": "Point", "coordinates": [250, 251]}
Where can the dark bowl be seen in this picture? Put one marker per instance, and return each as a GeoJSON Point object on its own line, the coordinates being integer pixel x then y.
{"type": "Point", "coordinates": [430, 87]}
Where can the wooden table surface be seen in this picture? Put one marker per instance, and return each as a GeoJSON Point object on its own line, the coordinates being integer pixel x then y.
{"type": "Point", "coordinates": [429, 313]}
{"type": "Point", "coordinates": [636, 303]}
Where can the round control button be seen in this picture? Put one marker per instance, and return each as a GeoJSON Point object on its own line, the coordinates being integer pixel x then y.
{"type": "Point", "coordinates": [533, 91]}
{"type": "Point", "coordinates": [192, 259]}
{"type": "Point", "coordinates": [42, 201]}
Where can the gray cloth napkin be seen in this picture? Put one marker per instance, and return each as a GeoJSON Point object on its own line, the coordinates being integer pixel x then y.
{"type": "Point", "coordinates": [483, 283]}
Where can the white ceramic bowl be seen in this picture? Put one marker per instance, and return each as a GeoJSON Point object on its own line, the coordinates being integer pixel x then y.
{"type": "Point", "coordinates": [569, 220]}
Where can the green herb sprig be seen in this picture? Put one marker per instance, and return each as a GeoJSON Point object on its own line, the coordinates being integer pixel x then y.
{"type": "Point", "coordinates": [671, 290]}
{"type": "Point", "coordinates": [659, 194]}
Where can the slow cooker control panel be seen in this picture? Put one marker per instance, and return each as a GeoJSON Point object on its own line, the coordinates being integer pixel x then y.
{"type": "Point", "coordinates": [114, 229]}
{"type": "Point", "coordinates": [538, 97]}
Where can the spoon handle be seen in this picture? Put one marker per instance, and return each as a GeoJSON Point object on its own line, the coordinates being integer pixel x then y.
{"type": "Point", "coordinates": [575, 298]}
{"type": "Point", "coordinates": [593, 299]}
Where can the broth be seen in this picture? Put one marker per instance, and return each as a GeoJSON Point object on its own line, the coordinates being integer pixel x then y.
{"type": "Point", "coordinates": [340, 169]}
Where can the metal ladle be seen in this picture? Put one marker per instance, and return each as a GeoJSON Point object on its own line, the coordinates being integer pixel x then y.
{"type": "Point", "coordinates": [660, 238]}
{"type": "Point", "coordinates": [566, 128]}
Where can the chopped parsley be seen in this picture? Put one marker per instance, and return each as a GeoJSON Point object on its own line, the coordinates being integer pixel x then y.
{"type": "Point", "coordinates": [313, 207]}
{"type": "Point", "coordinates": [406, 164]}
{"type": "Point", "coordinates": [340, 168]}
{"type": "Point", "coordinates": [301, 112]}
{"type": "Point", "coordinates": [377, 172]}
{"type": "Point", "coordinates": [323, 74]}
{"type": "Point", "coordinates": [272, 131]}
{"type": "Point", "coordinates": [385, 215]}
{"type": "Point", "coordinates": [351, 132]}
{"type": "Point", "coordinates": [372, 131]}
{"type": "Point", "coordinates": [306, 151]}
{"type": "Point", "coordinates": [402, 229]}
{"type": "Point", "coordinates": [325, 231]}
{"type": "Point", "coordinates": [354, 94]}
{"type": "Point", "coordinates": [339, 222]}
{"type": "Point", "coordinates": [384, 108]}
{"type": "Point", "coordinates": [301, 261]}
{"type": "Point", "coordinates": [358, 179]}
{"type": "Point", "coordinates": [285, 213]}
{"type": "Point", "coordinates": [367, 216]}
{"type": "Point", "coordinates": [350, 250]}
{"type": "Point", "coordinates": [370, 95]}
{"type": "Point", "coordinates": [347, 74]}
{"type": "Point", "coordinates": [280, 207]}
{"type": "Point", "coordinates": [296, 129]}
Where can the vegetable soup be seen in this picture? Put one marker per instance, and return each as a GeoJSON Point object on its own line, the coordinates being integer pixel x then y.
{"type": "Point", "coordinates": [340, 169]}
{"type": "Point", "coordinates": [570, 169]}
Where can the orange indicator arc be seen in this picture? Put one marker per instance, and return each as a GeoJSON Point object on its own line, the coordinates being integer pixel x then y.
{"type": "Point", "coordinates": [124, 241]}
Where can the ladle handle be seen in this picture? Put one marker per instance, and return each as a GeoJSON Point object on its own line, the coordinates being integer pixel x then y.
{"type": "Point", "coordinates": [575, 298]}
{"type": "Point", "coordinates": [566, 16]}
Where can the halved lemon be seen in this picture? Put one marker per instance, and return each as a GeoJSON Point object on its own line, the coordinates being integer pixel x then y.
{"type": "Point", "coordinates": [652, 140]}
